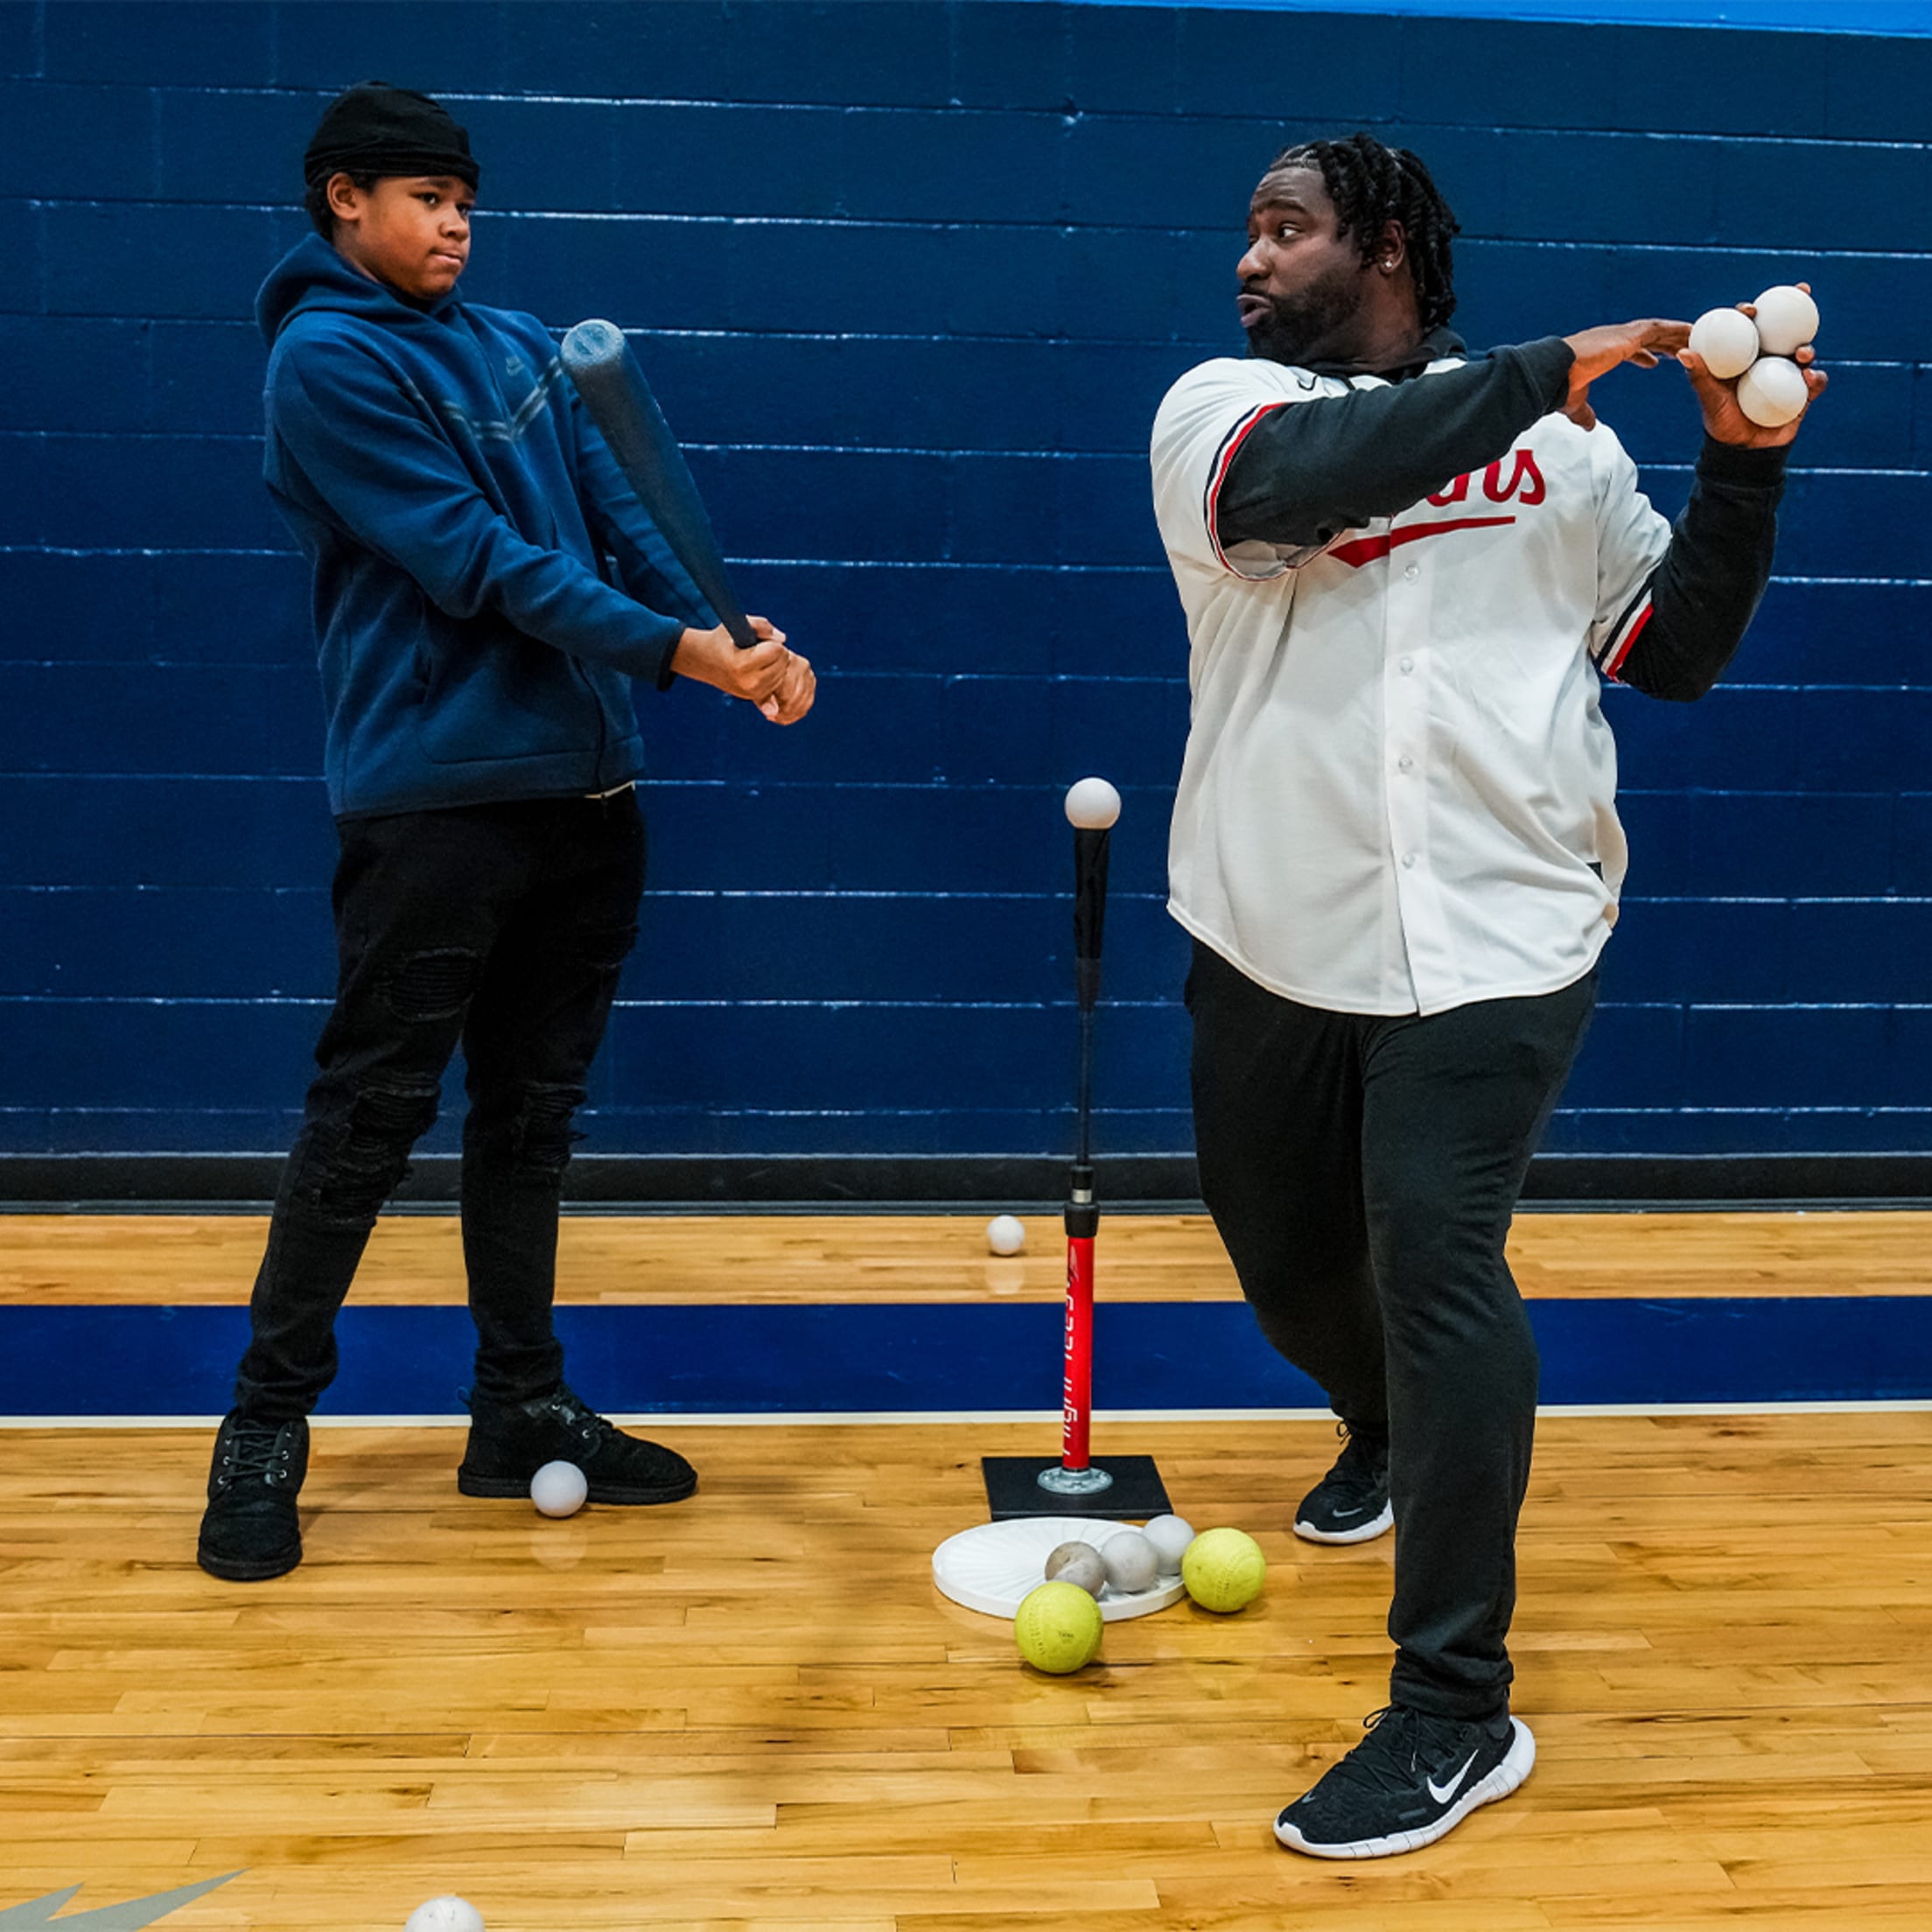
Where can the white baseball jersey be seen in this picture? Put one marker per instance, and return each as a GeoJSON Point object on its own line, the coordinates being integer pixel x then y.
{"type": "Point", "coordinates": [1398, 794]}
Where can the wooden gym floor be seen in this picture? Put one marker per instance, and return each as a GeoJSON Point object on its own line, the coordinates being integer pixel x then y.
{"type": "Point", "coordinates": [753, 1710]}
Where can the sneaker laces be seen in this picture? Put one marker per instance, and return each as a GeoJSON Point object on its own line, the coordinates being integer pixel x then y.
{"type": "Point", "coordinates": [582, 1421]}
{"type": "Point", "coordinates": [254, 1450]}
{"type": "Point", "coordinates": [1364, 1462]}
{"type": "Point", "coordinates": [1398, 1743]}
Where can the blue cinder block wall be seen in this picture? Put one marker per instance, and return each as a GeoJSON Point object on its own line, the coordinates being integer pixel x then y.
{"type": "Point", "coordinates": [911, 278]}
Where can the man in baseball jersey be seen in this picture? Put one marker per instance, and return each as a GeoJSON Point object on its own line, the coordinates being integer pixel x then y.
{"type": "Point", "coordinates": [1406, 572]}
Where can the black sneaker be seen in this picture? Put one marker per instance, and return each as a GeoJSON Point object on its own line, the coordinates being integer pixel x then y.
{"type": "Point", "coordinates": [1350, 1504]}
{"type": "Point", "coordinates": [1409, 1782]}
{"type": "Point", "coordinates": [251, 1531]}
{"type": "Point", "coordinates": [509, 1442]}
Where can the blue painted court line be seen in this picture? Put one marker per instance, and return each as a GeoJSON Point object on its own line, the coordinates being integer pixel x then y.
{"type": "Point", "coordinates": [881, 1358]}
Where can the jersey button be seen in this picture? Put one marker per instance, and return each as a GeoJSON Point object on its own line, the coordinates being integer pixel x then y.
{"type": "Point", "coordinates": [1412, 573]}
{"type": "Point", "coordinates": [1408, 861]}
{"type": "Point", "coordinates": [1405, 763]}
{"type": "Point", "coordinates": [1407, 665]}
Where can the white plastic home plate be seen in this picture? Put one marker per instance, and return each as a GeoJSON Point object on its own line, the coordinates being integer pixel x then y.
{"type": "Point", "coordinates": [992, 1566]}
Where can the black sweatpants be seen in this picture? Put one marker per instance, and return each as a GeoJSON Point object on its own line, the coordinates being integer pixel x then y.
{"type": "Point", "coordinates": [502, 927]}
{"type": "Point", "coordinates": [1362, 1172]}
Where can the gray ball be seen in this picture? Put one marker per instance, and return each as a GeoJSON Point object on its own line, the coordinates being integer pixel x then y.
{"type": "Point", "coordinates": [1131, 1563]}
{"type": "Point", "coordinates": [1078, 1564]}
{"type": "Point", "coordinates": [1170, 1536]}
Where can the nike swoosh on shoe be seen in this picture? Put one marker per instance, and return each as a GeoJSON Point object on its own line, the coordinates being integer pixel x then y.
{"type": "Point", "coordinates": [1442, 1793]}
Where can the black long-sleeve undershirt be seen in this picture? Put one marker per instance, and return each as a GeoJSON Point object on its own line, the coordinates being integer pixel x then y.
{"type": "Point", "coordinates": [1707, 587]}
{"type": "Point", "coordinates": [1304, 474]}
{"type": "Point", "coordinates": [1308, 471]}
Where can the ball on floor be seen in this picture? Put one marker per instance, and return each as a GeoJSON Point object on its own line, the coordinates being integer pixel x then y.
{"type": "Point", "coordinates": [1006, 1234]}
{"type": "Point", "coordinates": [1057, 1628]}
{"type": "Point", "coordinates": [558, 1489]}
{"type": "Point", "coordinates": [1223, 1569]}
{"type": "Point", "coordinates": [448, 1913]}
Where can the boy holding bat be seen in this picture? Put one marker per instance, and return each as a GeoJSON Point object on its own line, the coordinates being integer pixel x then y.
{"type": "Point", "coordinates": [486, 588]}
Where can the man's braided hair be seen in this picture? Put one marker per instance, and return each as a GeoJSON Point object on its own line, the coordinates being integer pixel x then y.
{"type": "Point", "coordinates": [1371, 186]}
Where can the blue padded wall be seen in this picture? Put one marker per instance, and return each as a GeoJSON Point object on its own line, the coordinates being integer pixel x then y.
{"type": "Point", "coordinates": [910, 278]}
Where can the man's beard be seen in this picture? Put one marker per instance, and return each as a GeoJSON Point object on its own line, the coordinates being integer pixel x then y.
{"type": "Point", "coordinates": [1298, 323]}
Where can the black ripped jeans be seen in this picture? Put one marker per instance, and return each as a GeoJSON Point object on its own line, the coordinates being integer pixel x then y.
{"type": "Point", "coordinates": [502, 927]}
{"type": "Point", "coordinates": [1362, 1171]}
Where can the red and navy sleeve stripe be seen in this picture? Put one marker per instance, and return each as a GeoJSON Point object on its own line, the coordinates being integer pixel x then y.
{"type": "Point", "coordinates": [1217, 475]}
{"type": "Point", "coordinates": [1628, 628]}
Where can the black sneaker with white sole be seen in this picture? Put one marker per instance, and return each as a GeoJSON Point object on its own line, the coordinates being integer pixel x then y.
{"type": "Point", "coordinates": [1350, 1504]}
{"type": "Point", "coordinates": [1412, 1780]}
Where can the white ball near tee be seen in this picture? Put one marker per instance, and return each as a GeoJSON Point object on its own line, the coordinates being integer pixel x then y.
{"type": "Point", "coordinates": [1787, 318]}
{"type": "Point", "coordinates": [1092, 805]}
{"type": "Point", "coordinates": [1132, 1563]}
{"type": "Point", "coordinates": [1772, 391]}
{"type": "Point", "coordinates": [1170, 1536]}
{"type": "Point", "coordinates": [448, 1913]}
{"type": "Point", "coordinates": [1726, 341]}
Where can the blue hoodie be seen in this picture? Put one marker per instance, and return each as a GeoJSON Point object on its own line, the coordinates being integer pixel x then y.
{"type": "Point", "coordinates": [465, 522]}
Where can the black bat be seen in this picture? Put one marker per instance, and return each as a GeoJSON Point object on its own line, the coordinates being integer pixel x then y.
{"type": "Point", "coordinates": [618, 399]}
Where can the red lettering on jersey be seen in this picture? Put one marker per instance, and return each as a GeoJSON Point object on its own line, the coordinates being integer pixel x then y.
{"type": "Point", "coordinates": [1454, 493]}
{"type": "Point", "coordinates": [1525, 483]}
{"type": "Point", "coordinates": [1366, 549]}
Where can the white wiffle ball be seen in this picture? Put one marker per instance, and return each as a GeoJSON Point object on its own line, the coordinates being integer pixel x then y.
{"type": "Point", "coordinates": [1787, 318]}
{"type": "Point", "coordinates": [1130, 1563]}
{"type": "Point", "coordinates": [1726, 340]}
{"type": "Point", "coordinates": [1006, 1234]}
{"type": "Point", "coordinates": [1170, 1536]}
{"type": "Point", "coordinates": [448, 1913]}
{"type": "Point", "coordinates": [1092, 805]}
{"type": "Point", "coordinates": [558, 1489]}
{"type": "Point", "coordinates": [1771, 392]}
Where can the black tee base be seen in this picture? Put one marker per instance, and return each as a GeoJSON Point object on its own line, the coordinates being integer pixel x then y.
{"type": "Point", "coordinates": [1013, 1490]}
